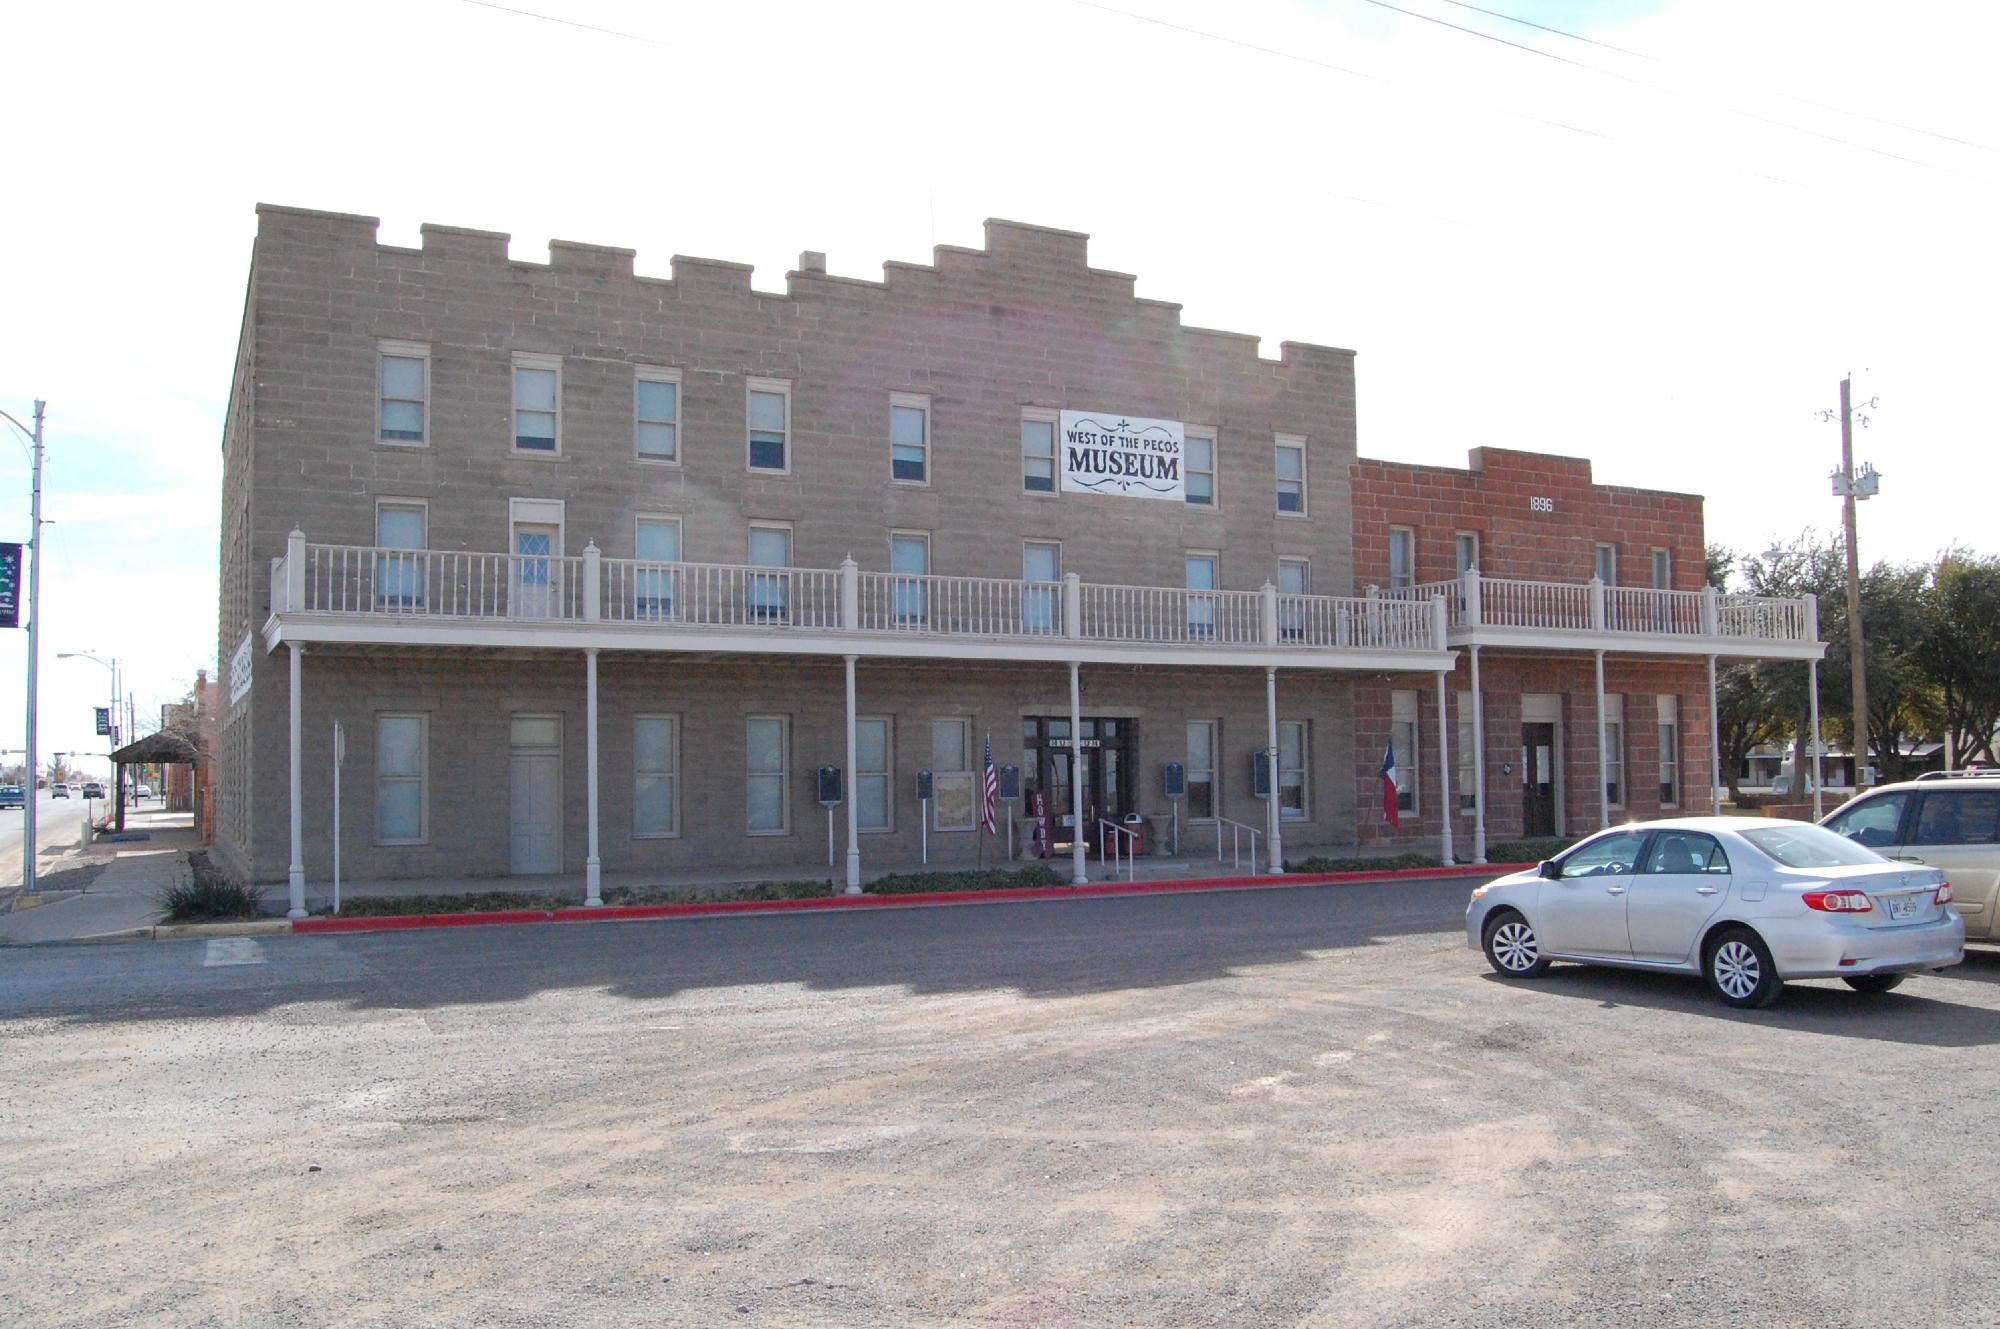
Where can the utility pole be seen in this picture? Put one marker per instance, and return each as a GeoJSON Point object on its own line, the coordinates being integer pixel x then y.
{"type": "Point", "coordinates": [34, 656]}
{"type": "Point", "coordinates": [1851, 485]}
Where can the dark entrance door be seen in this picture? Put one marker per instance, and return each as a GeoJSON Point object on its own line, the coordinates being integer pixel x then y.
{"type": "Point", "coordinates": [1101, 761]}
{"type": "Point", "coordinates": [1538, 780]}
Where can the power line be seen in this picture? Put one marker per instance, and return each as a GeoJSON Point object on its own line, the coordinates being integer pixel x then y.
{"type": "Point", "coordinates": [1642, 83]}
{"type": "Point", "coordinates": [565, 22]}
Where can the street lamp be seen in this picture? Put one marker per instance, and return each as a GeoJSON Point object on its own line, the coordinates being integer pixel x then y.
{"type": "Point", "coordinates": [112, 665]}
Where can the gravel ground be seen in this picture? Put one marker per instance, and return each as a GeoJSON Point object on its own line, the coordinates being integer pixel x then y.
{"type": "Point", "coordinates": [1300, 1107]}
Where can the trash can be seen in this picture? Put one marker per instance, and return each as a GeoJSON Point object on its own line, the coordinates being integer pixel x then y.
{"type": "Point", "coordinates": [1136, 824]}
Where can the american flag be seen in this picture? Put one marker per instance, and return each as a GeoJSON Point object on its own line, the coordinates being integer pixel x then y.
{"type": "Point", "coordinates": [992, 791]}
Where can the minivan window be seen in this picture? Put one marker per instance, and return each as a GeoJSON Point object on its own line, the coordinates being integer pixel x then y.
{"type": "Point", "coordinates": [1959, 816]}
{"type": "Point", "coordinates": [1871, 821]}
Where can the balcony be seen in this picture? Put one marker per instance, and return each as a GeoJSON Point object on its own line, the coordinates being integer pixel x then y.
{"type": "Point", "coordinates": [1501, 611]}
{"type": "Point", "coordinates": [361, 595]}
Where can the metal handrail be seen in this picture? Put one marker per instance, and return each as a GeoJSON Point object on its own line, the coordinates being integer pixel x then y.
{"type": "Point", "coordinates": [1237, 830]}
{"type": "Point", "coordinates": [1118, 846]}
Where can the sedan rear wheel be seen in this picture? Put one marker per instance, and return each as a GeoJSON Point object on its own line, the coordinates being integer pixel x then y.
{"type": "Point", "coordinates": [1512, 947]}
{"type": "Point", "coordinates": [1740, 970]}
{"type": "Point", "coordinates": [1875, 982]}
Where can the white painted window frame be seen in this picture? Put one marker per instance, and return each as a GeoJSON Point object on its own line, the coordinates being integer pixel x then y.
{"type": "Point", "coordinates": [422, 779]}
{"type": "Point", "coordinates": [912, 401]}
{"type": "Point", "coordinates": [887, 775]}
{"type": "Point", "coordinates": [1212, 437]}
{"type": "Point", "coordinates": [783, 775]}
{"type": "Point", "coordinates": [1213, 771]}
{"type": "Point", "coordinates": [403, 350]}
{"type": "Point", "coordinates": [1043, 415]}
{"type": "Point", "coordinates": [672, 774]}
{"type": "Point", "coordinates": [1303, 770]}
{"type": "Point", "coordinates": [1614, 750]}
{"type": "Point", "coordinates": [659, 374]}
{"type": "Point", "coordinates": [1409, 764]}
{"type": "Point", "coordinates": [1289, 443]}
{"type": "Point", "coordinates": [1408, 577]}
{"type": "Point", "coordinates": [533, 360]}
{"type": "Point", "coordinates": [781, 387]}
{"type": "Point", "coordinates": [1670, 749]}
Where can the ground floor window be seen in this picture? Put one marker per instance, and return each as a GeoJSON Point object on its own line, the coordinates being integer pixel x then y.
{"type": "Point", "coordinates": [1468, 771]}
{"type": "Point", "coordinates": [874, 773]}
{"type": "Point", "coordinates": [401, 757]}
{"type": "Point", "coordinates": [655, 776]}
{"type": "Point", "coordinates": [1614, 751]}
{"type": "Point", "coordinates": [768, 774]}
{"type": "Point", "coordinates": [1403, 737]}
{"type": "Point", "coordinates": [1201, 770]}
{"type": "Point", "coordinates": [951, 775]}
{"type": "Point", "coordinates": [1670, 752]}
{"type": "Point", "coordinates": [1292, 782]}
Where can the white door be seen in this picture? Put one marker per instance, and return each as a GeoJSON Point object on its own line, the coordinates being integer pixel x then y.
{"type": "Point", "coordinates": [537, 551]}
{"type": "Point", "coordinates": [535, 794]}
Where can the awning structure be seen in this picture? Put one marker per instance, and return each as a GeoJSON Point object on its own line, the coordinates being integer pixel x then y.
{"type": "Point", "coordinates": [164, 747]}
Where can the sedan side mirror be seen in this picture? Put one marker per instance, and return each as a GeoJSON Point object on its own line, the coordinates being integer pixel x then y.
{"type": "Point", "coordinates": [1547, 868]}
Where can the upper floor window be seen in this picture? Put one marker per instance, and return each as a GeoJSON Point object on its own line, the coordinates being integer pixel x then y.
{"type": "Point", "coordinates": [1605, 564]}
{"type": "Point", "coordinates": [399, 577]}
{"type": "Point", "coordinates": [1663, 570]}
{"type": "Point", "coordinates": [1200, 468]}
{"type": "Point", "coordinates": [402, 392]}
{"type": "Point", "coordinates": [770, 592]}
{"type": "Point", "coordinates": [1468, 551]}
{"type": "Point", "coordinates": [910, 561]}
{"type": "Point", "coordinates": [1291, 475]}
{"type": "Point", "coordinates": [1201, 577]}
{"type": "Point", "coordinates": [537, 394]}
{"type": "Point", "coordinates": [1041, 562]}
{"type": "Point", "coordinates": [1038, 452]}
{"type": "Point", "coordinates": [656, 541]}
{"type": "Point", "coordinates": [770, 415]}
{"type": "Point", "coordinates": [1291, 607]}
{"type": "Point", "coordinates": [1402, 557]}
{"type": "Point", "coordinates": [910, 438]}
{"type": "Point", "coordinates": [656, 412]}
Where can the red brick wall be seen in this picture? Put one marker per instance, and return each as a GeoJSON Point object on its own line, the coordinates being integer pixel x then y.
{"type": "Point", "coordinates": [1492, 498]}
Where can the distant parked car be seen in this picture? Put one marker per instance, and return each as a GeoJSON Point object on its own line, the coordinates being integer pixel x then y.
{"type": "Point", "coordinates": [1746, 904]}
{"type": "Point", "coordinates": [59, 790]}
{"type": "Point", "coordinates": [13, 796]}
{"type": "Point", "coordinates": [142, 791]}
{"type": "Point", "coordinates": [93, 790]}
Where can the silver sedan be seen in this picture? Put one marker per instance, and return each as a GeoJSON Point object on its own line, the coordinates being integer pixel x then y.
{"type": "Point", "coordinates": [1747, 904]}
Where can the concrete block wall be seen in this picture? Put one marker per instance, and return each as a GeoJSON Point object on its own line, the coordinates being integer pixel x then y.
{"type": "Point", "coordinates": [470, 703]}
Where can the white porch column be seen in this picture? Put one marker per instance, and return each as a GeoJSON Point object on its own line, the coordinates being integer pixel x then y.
{"type": "Point", "coordinates": [1478, 764]}
{"type": "Point", "coordinates": [1276, 858]}
{"type": "Point", "coordinates": [1079, 875]}
{"type": "Point", "coordinates": [1717, 786]}
{"type": "Point", "coordinates": [853, 811]}
{"type": "Point", "coordinates": [1813, 764]}
{"type": "Point", "coordinates": [295, 876]}
{"type": "Point", "coordinates": [593, 868]}
{"type": "Point", "coordinates": [1445, 810]}
{"type": "Point", "coordinates": [1603, 751]}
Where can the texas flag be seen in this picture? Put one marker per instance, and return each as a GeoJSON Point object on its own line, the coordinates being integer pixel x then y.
{"type": "Point", "coordinates": [1389, 790]}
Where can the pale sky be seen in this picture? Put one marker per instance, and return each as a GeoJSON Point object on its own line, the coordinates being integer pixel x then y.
{"type": "Point", "coordinates": [1660, 251]}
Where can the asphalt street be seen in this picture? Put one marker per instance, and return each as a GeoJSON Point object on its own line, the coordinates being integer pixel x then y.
{"type": "Point", "coordinates": [58, 827]}
{"type": "Point", "coordinates": [1309, 1106]}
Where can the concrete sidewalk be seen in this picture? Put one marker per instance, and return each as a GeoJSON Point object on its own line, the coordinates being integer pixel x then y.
{"type": "Point", "coordinates": [568, 888]}
{"type": "Point", "coordinates": [123, 896]}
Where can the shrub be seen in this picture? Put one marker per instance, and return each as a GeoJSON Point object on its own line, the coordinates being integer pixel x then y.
{"type": "Point", "coordinates": [1528, 851]}
{"type": "Point", "coordinates": [1322, 864]}
{"type": "Point", "coordinates": [483, 902]}
{"type": "Point", "coordinates": [207, 894]}
{"type": "Point", "coordinates": [989, 879]}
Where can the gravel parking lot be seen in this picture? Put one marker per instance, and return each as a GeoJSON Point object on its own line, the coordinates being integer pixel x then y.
{"type": "Point", "coordinates": [1298, 1107]}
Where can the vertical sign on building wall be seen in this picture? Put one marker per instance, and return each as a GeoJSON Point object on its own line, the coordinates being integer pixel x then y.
{"type": "Point", "coordinates": [239, 672]}
{"type": "Point", "coordinates": [1106, 453]}
{"type": "Point", "coordinates": [10, 586]}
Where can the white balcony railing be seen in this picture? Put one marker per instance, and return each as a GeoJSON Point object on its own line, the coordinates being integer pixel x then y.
{"type": "Point", "coordinates": [1474, 601]}
{"type": "Point", "coordinates": [349, 580]}
{"type": "Point", "coordinates": [354, 580]}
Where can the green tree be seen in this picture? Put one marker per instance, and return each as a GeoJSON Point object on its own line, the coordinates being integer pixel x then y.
{"type": "Point", "coordinates": [1959, 651]}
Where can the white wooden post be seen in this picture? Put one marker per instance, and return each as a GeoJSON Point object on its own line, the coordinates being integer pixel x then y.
{"type": "Point", "coordinates": [1717, 785]}
{"type": "Point", "coordinates": [1596, 605]}
{"type": "Point", "coordinates": [850, 611]}
{"type": "Point", "coordinates": [593, 590]}
{"type": "Point", "coordinates": [853, 811]}
{"type": "Point", "coordinates": [1445, 810]}
{"type": "Point", "coordinates": [1072, 594]}
{"type": "Point", "coordinates": [1711, 612]}
{"type": "Point", "coordinates": [1478, 764]}
{"type": "Point", "coordinates": [1469, 587]}
{"type": "Point", "coordinates": [1270, 605]}
{"type": "Point", "coordinates": [295, 571]}
{"type": "Point", "coordinates": [593, 868]}
{"type": "Point", "coordinates": [1079, 857]}
{"type": "Point", "coordinates": [1277, 854]}
{"type": "Point", "coordinates": [295, 875]}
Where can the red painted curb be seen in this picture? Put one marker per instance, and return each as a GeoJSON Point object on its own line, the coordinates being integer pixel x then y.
{"type": "Point", "coordinates": [608, 913]}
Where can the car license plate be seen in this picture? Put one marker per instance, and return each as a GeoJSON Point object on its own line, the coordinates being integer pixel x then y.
{"type": "Point", "coordinates": [1904, 906]}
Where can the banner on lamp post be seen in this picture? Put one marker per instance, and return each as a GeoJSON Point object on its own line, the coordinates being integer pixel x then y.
{"type": "Point", "coordinates": [10, 585]}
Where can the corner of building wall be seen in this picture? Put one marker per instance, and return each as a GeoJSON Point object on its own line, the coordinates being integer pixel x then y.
{"type": "Point", "coordinates": [281, 224]}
